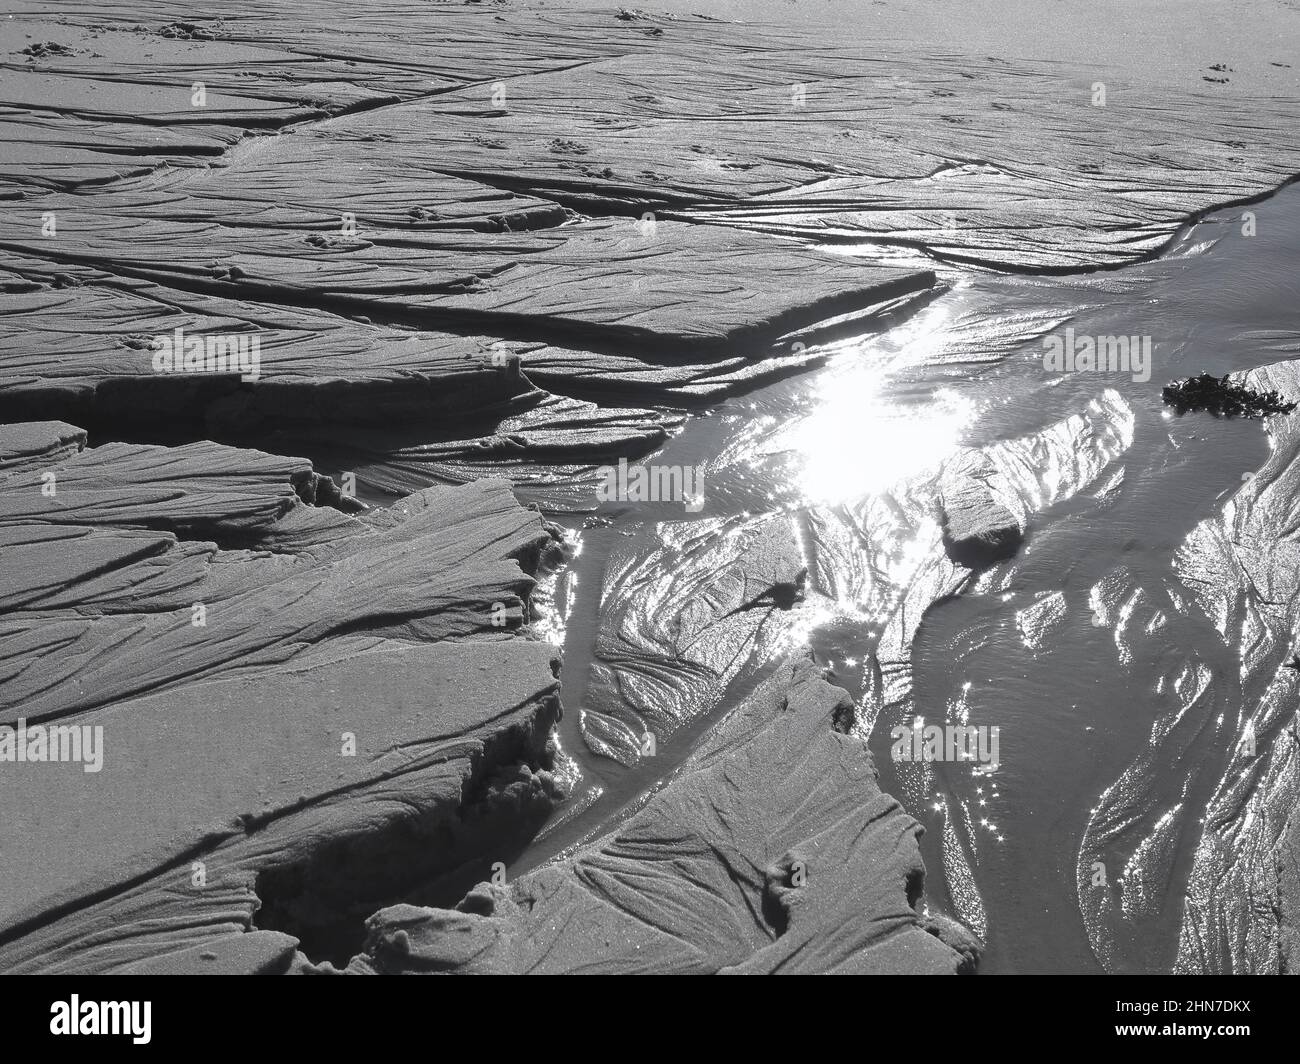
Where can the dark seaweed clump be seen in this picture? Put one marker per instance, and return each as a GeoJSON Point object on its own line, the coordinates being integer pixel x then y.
{"type": "Point", "coordinates": [1222, 398]}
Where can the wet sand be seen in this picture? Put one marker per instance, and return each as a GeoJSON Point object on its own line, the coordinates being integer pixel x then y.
{"type": "Point", "coordinates": [810, 260]}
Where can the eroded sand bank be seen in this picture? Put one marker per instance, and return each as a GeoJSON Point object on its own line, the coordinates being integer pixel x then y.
{"type": "Point", "coordinates": [463, 259]}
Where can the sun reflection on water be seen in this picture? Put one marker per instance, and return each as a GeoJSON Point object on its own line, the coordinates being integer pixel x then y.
{"type": "Point", "coordinates": [856, 441]}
